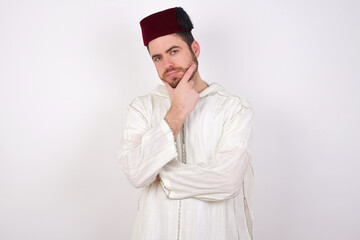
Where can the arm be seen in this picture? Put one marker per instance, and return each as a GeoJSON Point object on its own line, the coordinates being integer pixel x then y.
{"type": "Point", "coordinates": [219, 178]}
{"type": "Point", "coordinates": [144, 149]}
{"type": "Point", "coordinates": [183, 100]}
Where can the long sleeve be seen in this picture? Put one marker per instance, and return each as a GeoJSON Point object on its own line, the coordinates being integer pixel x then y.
{"type": "Point", "coordinates": [219, 178]}
{"type": "Point", "coordinates": [145, 149]}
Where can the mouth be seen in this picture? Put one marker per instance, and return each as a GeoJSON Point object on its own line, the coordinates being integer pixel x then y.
{"type": "Point", "coordinates": [172, 74]}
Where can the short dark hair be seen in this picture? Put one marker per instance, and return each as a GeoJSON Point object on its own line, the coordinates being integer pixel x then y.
{"type": "Point", "coordinates": [185, 36]}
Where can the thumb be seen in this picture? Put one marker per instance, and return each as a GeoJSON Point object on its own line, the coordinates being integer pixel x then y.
{"type": "Point", "coordinates": [188, 74]}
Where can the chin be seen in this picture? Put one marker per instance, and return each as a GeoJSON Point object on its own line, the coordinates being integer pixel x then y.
{"type": "Point", "coordinates": [173, 82]}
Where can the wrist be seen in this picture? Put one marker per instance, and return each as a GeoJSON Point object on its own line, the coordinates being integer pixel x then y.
{"type": "Point", "coordinates": [175, 119]}
{"type": "Point", "coordinates": [177, 113]}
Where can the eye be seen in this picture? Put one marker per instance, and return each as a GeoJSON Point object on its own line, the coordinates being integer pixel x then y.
{"type": "Point", "coordinates": [173, 52]}
{"type": "Point", "coordinates": [156, 59]}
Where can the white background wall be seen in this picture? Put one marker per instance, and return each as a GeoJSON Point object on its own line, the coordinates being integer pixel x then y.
{"type": "Point", "coordinates": [68, 70]}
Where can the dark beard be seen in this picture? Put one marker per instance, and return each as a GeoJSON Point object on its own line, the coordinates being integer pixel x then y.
{"type": "Point", "coordinates": [175, 81]}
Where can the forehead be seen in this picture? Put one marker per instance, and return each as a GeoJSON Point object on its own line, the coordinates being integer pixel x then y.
{"type": "Point", "coordinates": [163, 43]}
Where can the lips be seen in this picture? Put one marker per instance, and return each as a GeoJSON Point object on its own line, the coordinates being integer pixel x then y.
{"type": "Point", "coordinates": [172, 73]}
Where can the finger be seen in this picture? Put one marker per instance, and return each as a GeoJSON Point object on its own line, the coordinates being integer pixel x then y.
{"type": "Point", "coordinates": [191, 83]}
{"type": "Point", "coordinates": [188, 74]}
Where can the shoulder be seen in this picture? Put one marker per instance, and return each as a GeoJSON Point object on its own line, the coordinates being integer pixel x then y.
{"type": "Point", "coordinates": [229, 100]}
{"type": "Point", "coordinates": [145, 104]}
{"type": "Point", "coordinates": [237, 109]}
{"type": "Point", "coordinates": [143, 100]}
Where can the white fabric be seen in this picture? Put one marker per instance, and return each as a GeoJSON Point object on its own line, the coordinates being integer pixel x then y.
{"type": "Point", "coordinates": [207, 198]}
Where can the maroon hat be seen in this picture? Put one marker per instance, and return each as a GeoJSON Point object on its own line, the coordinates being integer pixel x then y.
{"type": "Point", "coordinates": [166, 22]}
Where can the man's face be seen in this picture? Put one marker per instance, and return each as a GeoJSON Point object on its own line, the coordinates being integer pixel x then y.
{"type": "Point", "coordinates": [172, 58]}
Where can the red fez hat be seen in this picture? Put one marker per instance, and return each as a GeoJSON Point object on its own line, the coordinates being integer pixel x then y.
{"type": "Point", "coordinates": [166, 22]}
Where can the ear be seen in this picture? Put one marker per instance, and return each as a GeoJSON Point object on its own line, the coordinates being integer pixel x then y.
{"type": "Point", "coordinates": [196, 48]}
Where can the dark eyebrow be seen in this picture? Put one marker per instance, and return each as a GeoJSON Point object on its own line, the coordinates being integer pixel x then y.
{"type": "Point", "coordinates": [155, 56]}
{"type": "Point", "coordinates": [158, 55]}
{"type": "Point", "coordinates": [172, 48]}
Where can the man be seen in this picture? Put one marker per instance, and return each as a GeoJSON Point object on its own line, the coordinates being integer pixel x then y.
{"type": "Point", "coordinates": [187, 144]}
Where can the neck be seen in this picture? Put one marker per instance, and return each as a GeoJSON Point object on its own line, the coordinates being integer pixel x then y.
{"type": "Point", "coordinates": [199, 84]}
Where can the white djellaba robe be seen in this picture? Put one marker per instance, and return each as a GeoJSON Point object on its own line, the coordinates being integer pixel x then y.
{"type": "Point", "coordinates": [199, 186]}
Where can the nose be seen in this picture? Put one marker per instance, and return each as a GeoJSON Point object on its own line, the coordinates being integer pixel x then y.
{"type": "Point", "coordinates": [168, 63]}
